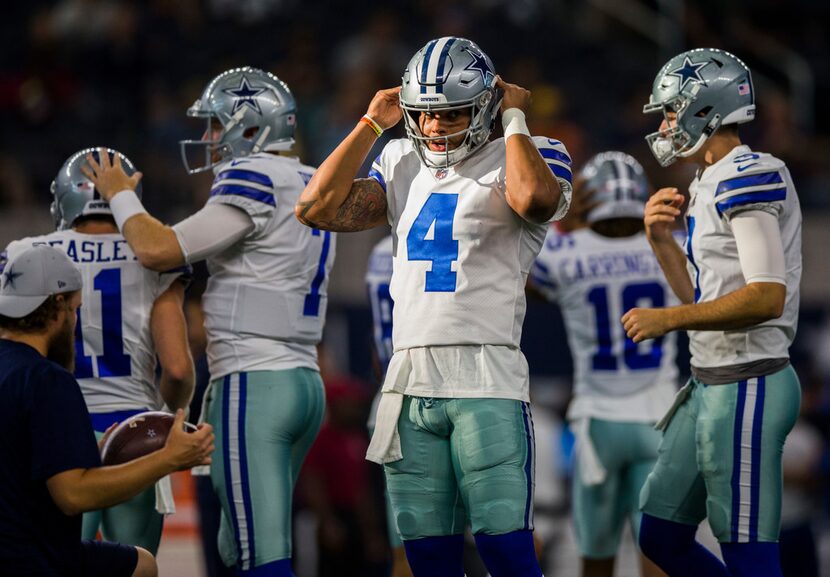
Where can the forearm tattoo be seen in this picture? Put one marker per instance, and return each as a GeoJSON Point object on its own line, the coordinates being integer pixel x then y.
{"type": "Point", "coordinates": [364, 206]}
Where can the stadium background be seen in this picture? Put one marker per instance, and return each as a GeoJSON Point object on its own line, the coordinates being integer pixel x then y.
{"type": "Point", "coordinates": [77, 73]}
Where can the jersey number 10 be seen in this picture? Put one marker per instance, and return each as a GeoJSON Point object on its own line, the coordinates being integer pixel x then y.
{"type": "Point", "coordinates": [114, 362]}
{"type": "Point", "coordinates": [632, 294]}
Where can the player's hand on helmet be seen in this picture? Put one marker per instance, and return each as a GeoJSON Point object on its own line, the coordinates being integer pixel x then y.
{"type": "Point", "coordinates": [108, 177]}
{"type": "Point", "coordinates": [660, 214]}
{"type": "Point", "coordinates": [513, 96]}
{"type": "Point", "coordinates": [185, 449]}
{"type": "Point", "coordinates": [385, 107]}
{"type": "Point", "coordinates": [643, 324]}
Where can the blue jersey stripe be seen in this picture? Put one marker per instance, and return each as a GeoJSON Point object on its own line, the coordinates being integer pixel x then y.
{"type": "Point", "coordinates": [561, 171]}
{"type": "Point", "coordinates": [755, 473]}
{"type": "Point", "coordinates": [246, 191]}
{"type": "Point", "coordinates": [242, 174]}
{"type": "Point", "coordinates": [751, 198]}
{"type": "Point", "coordinates": [736, 461]}
{"type": "Point", "coordinates": [379, 177]}
{"type": "Point", "coordinates": [748, 180]}
{"type": "Point", "coordinates": [555, 155]}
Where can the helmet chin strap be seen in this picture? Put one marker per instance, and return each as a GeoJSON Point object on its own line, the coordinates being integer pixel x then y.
{"type": "Point", "coordinates": [710, 129]}
{"type": "Point", "coordinates": [262, 137]}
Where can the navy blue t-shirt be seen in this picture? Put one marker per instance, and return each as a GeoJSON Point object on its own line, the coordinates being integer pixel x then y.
{"type": "Point", "coordinates": [45, 429]}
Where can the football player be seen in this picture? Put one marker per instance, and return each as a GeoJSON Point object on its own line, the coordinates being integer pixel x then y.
{"type": "Point", "coordinates": [738, 280]}
{"type": "Point", "coordinates": [468, 217]}
{"type": "Point", "coordinates": [264, 305]}
{"type": "Point", "coordinates": [378, 279]}
{"type": "Point", "coordinates": [130, 316]}
{"type": "Point", "coordinates": [595, 273]}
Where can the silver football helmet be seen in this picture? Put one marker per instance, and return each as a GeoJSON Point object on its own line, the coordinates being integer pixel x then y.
{"type": "Point", "coordinates": [617, 183]}
{"type": "Point", "coordinates": [256, 110]}
{"type": "Point", "coordinates": [74, 195]}
{"type": "Point", "coordinates": [450, 73]}
{"type": "Point", "coordinates": [706, 88]}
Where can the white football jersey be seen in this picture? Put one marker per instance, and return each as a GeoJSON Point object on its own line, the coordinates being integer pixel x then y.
{"type": "Point", "coordinates": [266, 298]}
{"type": "Point", "coordinates": [595, 280]}
{"type": "Point", "coordinates": [461, 254]}
{"type": "Point", "coordinates": [378, 279]}
{"type": "Point", "coordinates": [742, 180]}
{"type": "Point", "coordinates": [115, 360]}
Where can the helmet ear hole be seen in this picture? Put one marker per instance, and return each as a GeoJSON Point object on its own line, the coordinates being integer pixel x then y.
{"type": "Point", "coordinates": [250, 132]}
{"type": "Point", "coordinates": [703, 112]}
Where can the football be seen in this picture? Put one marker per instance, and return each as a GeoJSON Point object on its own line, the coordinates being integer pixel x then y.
{"type": "Point", "coordinates": [139, 435]}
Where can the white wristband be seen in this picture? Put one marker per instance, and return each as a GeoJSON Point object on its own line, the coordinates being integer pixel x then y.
{"type": "Point", "coordinates": [513, 122]}
{"type": "Point", "coordinates": [124, 206]}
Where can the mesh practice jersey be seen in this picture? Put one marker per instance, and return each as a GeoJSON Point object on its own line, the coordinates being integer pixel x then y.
{"type": "Point", "coordinates": [265, 302]}
{"type": "Point", "coordinates": [462, 255]}
{"type": "Point", "coordinates": [115, 360]}
{"type": "Point", "coordinates": [742, 180]}
{"type": "Point", "coordinates": [595, 280]}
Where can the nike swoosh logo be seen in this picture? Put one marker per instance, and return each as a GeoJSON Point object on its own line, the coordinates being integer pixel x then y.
{"type": "Point", "coordinates": [742, 168]}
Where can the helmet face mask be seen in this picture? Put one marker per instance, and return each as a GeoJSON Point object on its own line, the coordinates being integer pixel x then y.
{"type": "Point", "coordinates": [256, 111]}
{"type": "Point", "coordinates": [449, 74]}
{"type": "Point", "coordinates": [698, 92]}
{"type": "Point", "coordinates": [75, 196]}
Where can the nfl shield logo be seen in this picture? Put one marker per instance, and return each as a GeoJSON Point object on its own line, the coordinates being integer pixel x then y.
{"type": "Point", "coordinates": [440, 173]}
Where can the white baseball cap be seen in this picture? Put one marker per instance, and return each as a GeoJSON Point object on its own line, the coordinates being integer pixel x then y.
{"type": "Point", "coordinates": [32, 276]}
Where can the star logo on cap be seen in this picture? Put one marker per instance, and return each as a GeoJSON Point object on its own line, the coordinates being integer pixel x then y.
{"type": "Point", "coordinates": [9, 277]}
{"type": "Point", "coordinates": [689, 72]}
{"type": "Point", "coordinates": [479, 64]}
{"type": "Point", "coordinates": [243, 95]}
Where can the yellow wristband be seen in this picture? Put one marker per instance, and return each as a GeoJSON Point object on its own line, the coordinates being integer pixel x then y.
{"type": "Point", "coordinates": [368, 120]}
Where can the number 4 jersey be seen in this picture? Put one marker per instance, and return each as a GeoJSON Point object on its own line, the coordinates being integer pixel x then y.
{"type": "Point", "coordinates": [461, 255]}
{"type": "Point", "coordinates": [115, 360]}
{"type": "Point", "coordinates": [595, 280]}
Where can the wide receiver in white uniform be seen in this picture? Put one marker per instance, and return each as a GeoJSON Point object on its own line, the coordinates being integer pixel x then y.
{"type": "Point", "coordinates": [264, 305]}
{"type": "Point", "coordinates": [621, 389]}
{"type": "Point", "coordinates": [468, 217]}
{"type": "Point", "coordinates": [130, 314]}
{"type": "Point", "coordinates": [720, 456]}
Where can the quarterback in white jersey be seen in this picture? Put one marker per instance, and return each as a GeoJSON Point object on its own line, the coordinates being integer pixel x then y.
{"type": "Point", "coordinates": [264, 305]}
{"type": "Point", "coordinates": [594, 273]}
{"type": "Point", "coordinates": [738, 281]}
{"type": "Point", "coordinates": [468, 217]}
{"type": "Point", "coordinates": [130, 315]}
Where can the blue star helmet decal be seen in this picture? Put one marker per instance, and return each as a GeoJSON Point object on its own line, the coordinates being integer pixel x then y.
{"type": "Point", "coordinates": [479, 64]}
{"type": "Point", "coordinates": [10, 277]}
{"type": "Point", "coordinates": [688, 72]}
{"type": "Point", "coordinates": [243, 95]}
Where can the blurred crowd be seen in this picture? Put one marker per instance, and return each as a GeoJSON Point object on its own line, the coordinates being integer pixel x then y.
{"type": "Point", "coordinates": [76, 73]}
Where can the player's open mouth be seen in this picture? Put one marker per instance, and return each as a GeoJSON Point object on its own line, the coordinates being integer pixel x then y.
{"type": "Point", "coordinates": [438, 146]}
